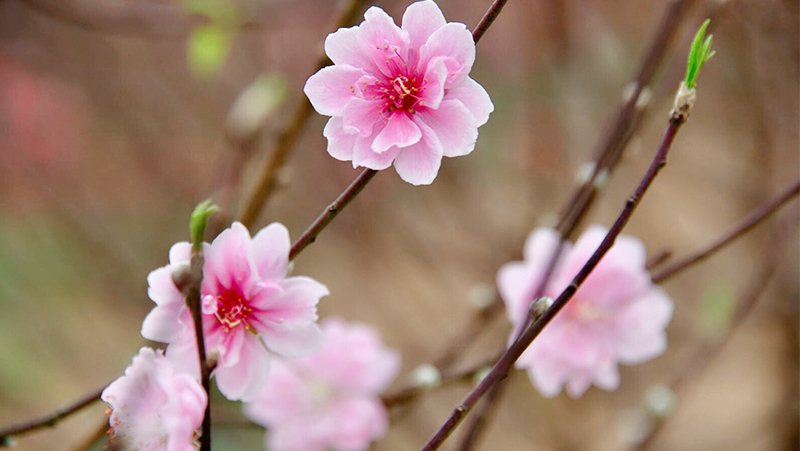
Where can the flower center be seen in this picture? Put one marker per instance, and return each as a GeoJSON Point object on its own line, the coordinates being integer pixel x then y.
{"type": "Point", "coordinates": [586, 312]}
{"type": "Point", "coordinates": [232, 311]}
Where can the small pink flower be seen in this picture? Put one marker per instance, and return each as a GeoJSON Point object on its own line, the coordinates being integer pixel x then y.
{"type": "Point", "coordinates": [617, 315]}
{"type": "Point", "coordinates": [400, 95]}
{"type": "Point", "coordinates": [250, 308]}
{"type": "Point", "coordinates": [153, 407]}
{"type": "Point", "coordinates": [329, 400]}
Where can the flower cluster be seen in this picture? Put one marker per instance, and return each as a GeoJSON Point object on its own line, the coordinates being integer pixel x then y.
{"type": "Point", "coordinates": [400, 95]}
{"type": "Point", "coordinates": [329, 400]}
{"type": "Point", "coordinates": [617, 315]}
{"type": "Point", "coordinates": [250, 308]}
{"type": "Point", "coordinates": [153, 407]}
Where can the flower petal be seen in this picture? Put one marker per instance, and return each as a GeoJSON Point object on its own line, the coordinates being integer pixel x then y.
{"type": "Point", "coordinates": [419, 164]}
{"type": "Point", "coordinates": [244, 380]}
{"type": "Point", "coordinates": [296, 341]}
{"type": "Point", "coordinates": [454, 125]}
{"type": "Point", "coordinates": [432, 89]}
{"type": "Point", "coordinates": [331, 88]}
{"type": "Point", "coordinates": [359, 116]}
{"type": "Point", "coordinates": [455, 42]}
{"type": "Point", "coordinates": [399, 131]}
{"type": "Point", "coordinates": [271, 251]}
{"type": "Point", "coordinates": [364, 156]}
{"type": "Point", "coordinates": [340, 144]}
{"type": "Point", "coordinates": [474, 97]}
{"type": "Point", "coordinates": [420, 20]}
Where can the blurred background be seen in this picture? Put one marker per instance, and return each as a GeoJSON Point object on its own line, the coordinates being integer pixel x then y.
{"type": "Point", "coordinates": [113, 127]}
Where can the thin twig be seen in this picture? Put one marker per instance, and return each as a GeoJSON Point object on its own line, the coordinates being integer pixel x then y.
{"type": "Point", "coordinates": [410, 393]}
{"type": "Point", "coordinates": [189, 283]}
{"type": "Point", "coordinates": [347, 196]}
{"type": "Point", "coordinates": [607, 156]}
{"type": "Point", "coordinates": [501, 368]}
{"type": "Point", "coordinates": [610, 149]}
{"type": "Point", "coordinates": [288, 138]}
{"type": "Point", "coordinates": [701, 360]}
{"type": "Point", "coordinates": [51, 419]}
{"type": "Point", "coordinates": [749, 222]}
{"type": "Point", "coordinates": [487, 19]}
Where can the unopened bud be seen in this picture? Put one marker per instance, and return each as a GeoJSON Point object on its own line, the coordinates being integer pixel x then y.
{"type": "Point", "coordinates": [633, 425]}
{"type": "Point", "coordinates": [481, 374]}
{"type": "Point", "coordinates": [660, 400]}
{"type": "Point", "coordinates": [482, 295]}
{"type": "Point", "coordinates": [181, 275]}
{"type": "Point", "coordinates": [212, 359]}
{"type": "Point", "coordinates": [684, 102]}
{"type": "Point", "coordinates": [426, 375]}
{"type": "Point", "coordinates": [539, 307]}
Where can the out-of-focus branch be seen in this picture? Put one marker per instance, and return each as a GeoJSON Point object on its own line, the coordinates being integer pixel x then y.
{"type": "Point", "coordinates": [51, 419]}
{"type": "Point", "coordinates": [785, 234]}
{"type": "Point", "coordinates": [287, 139]}
{"type": "Point", "coordinates": [748, 223]}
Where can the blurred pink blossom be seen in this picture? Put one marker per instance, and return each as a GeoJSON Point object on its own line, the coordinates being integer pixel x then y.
{"type": "Point", "coordinates": [329, 400]}
{"type": "Point", "coordinates": [400, 95]}
{"type": "Point", "coordinates": [153, 407]}
{"type": "Point", "coordinates": [617, 315]}
{"type": "Point", "coordinates": [250, 308]}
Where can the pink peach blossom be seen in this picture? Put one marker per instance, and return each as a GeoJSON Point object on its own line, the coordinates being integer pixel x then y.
{"type": "Point", "coordinates": [329, 400]}
{"type": "Point", "coordinates": [153, 407]}
{"type": "Point", "coordinates": [250, 308]}
{"type": "Point", "coordinates": [616, 316]}
{"type": "Point", "coordinates": [400, 95]}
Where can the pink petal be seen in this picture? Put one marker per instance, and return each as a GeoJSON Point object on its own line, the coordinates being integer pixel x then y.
{"type": "Point", "coordinates": [455, 42]}
{"type": "Point", "coordinates": [399, 131]}
{"type": "Point", "coordinates": [383, 38]}
{"type": "Point", "coordinates": [432, 89]}
{"type": "Point", "coordinates": [161, 324]}
{"type": "Point", "coordinates": [346, 47]}
{"type": "Point", "coordinates": [546, 377]}
{"type": "Point", "coordinates": [244, 380]}
{"type": "Point", "coordinates": [182, 353]}
{"type": "Point", "coordinates": [607, 377]}
{"type": "Point", "coordinates": [359, 116]}
{"type": "Point", "coordinates": [359, 421]}
{"type": "Point", "coordinates": [296, 341]}
{"type": "Point", "coordinates": [541, 244]}
{"type": "Point", "coordinates": [516, 282]}
{"type": "Point", "coordinates": [419, 164]}
{"type": "Point", "coordinates": [474, 97]}
{"type": "Point", "coordinates": [283, 396]}
{"type": "Point", "coordinates": [228, 260]}
{"type": "Point", "coordinates": [364, 156]}
{"type": "Point", "coordinates": [578, 385]}
{"type": "Point", "coordinates": [294, 305]}
{"type": "Point", "coordinates": [420, 20]}
{"type": "Point", "coordinates": [331, 88]}
{"type": "Point", "coordinates": [340, 144]}
{"type": "Point", "coordinates": [642, 326]}
{"type": "Point", "coordinates": [180, 253]}
{"type": "Point", "coordinates": [454, 126]}
{"type": "Point", "coordinates": [271, 251]}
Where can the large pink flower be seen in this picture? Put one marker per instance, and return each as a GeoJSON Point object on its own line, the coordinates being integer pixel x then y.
{"type": "Point", "coordinates": [400, 95]}
{"type": "Point", "coordinates": [153, 407]}
{"type": "Point", "coordinates": [250, 308]}
{"type": "Point", "coordinates": [329, 400]}
{"type": "Point", "coordinates": [617, 315]}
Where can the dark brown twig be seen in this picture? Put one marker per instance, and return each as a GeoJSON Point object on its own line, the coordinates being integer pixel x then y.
{"type": "Point", "coordinates": [501, 368]}
{"type": "Point", "coordinates": [748, 223]}
{"type": "Point", "coordinates": [189, 284]}
{"type": "Point", "coordinates": [266, 185]}
{"type": "Point", "coordinates": [51, 419]}
{"type": "Point", "coordinates": [607, 156]}
{"type": "Point", "coordinates": [748, 300]}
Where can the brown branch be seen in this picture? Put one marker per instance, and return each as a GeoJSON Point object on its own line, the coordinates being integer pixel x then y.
{"type": "Point", "coordinates": [51, 419]}
{"type": "Point", "coordinates": [607, 156]}
{"type": "Point", "coordinates": [266, 185]}
{"type": "Point", "coordinates": [701, 360]}
{"type": "Point", "coordinates": [501, 368]}
{"type": "Point", "coordinates": [753, 219]}
{"type": "Point", "coordinates": [412, 392]}
{"type": "Point", "coordinates": [189, 283]}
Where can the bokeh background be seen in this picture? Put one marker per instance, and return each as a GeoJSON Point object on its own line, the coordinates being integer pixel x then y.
{"type": "Point", "coordinates": [110, 134]}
